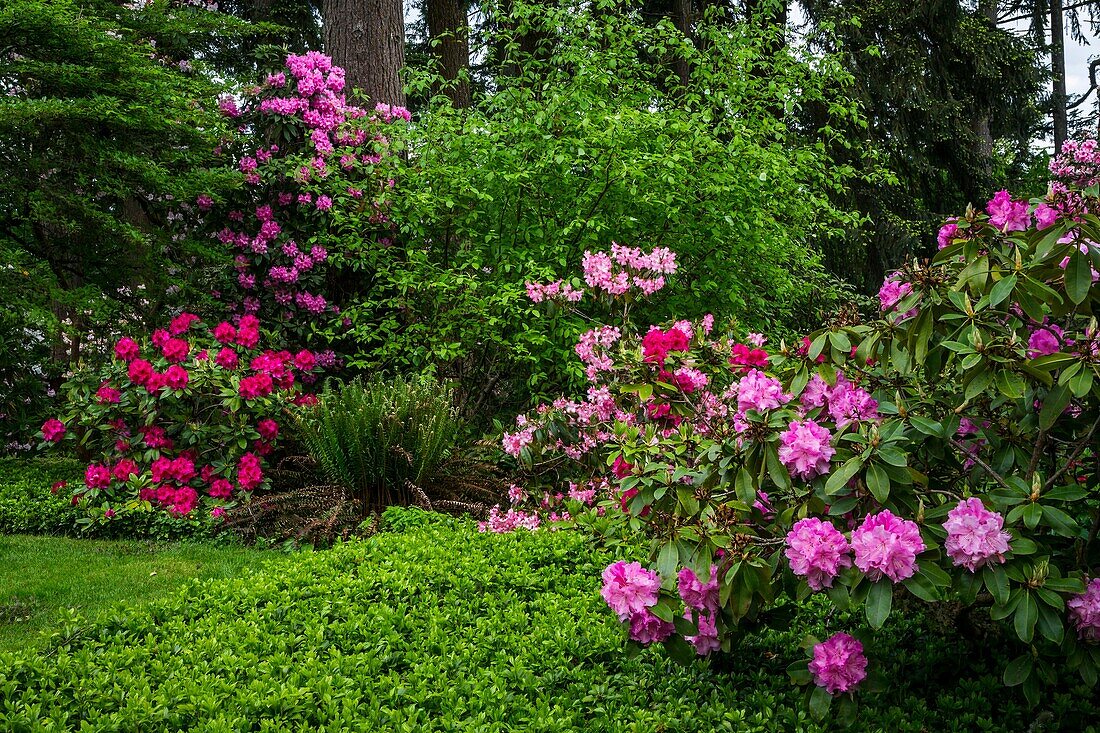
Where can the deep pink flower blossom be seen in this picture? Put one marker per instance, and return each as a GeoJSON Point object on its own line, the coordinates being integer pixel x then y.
{"type": "Point", "coordinates": [628, 588]}
{"type": "Point", "coordinates": [887, 545]}
{"type": "Point", "coordinates": [838, 663]}
{"type": "Point", "coordinates": [697, 594]}
{"type": "Point", "coordinates": [817, 552]}
{"type": "Point", "coordinates": [1084, 611]}
{"type": "Point", "coordinates": [53, 430]}
{"type": "Point", "coordinates": [806, 449]}
{"type": "Point", "coordinates": [975, 535]}
{"type": "Point", "coordinates": [647, 628]}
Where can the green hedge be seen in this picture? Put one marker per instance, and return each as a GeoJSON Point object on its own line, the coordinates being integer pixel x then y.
{"type": "Point", "coordinates": [440, 628]}
{"type": "Point", "coordinates": [27, 506]}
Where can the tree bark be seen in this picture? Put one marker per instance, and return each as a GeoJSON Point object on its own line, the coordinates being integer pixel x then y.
{"type": "Point", "coordinates": [980, 125]}
{"type": "Point", "coordinates": [449, 31]}
{"type": "Point", "coordinates": [682, 18]}
{"type": "Point", "coordinates": [1058, 74]}
{"type": "Point", "coordinates": [367, 38]}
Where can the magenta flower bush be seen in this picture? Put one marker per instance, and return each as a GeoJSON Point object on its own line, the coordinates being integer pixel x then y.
{"type": "Point", "coordinates": [308, 164]}
{"type": "Point", "coordinates": [946, 449]}
{"type": "Point", "coordinates": [172, 427]}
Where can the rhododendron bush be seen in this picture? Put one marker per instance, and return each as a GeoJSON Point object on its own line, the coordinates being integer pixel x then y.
{"type": "Point", "coordinates": [311, 168]}
{"type": "Point", "coordinates": [946, 450]}
{"type": "Point", "coordinates": [182, 423]}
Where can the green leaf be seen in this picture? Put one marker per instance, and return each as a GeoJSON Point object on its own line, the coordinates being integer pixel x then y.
{"type": "Point", "coordinates": [840, 477]}
{"type": "Point", "coordinates": [1061, 522]}
{"type": "Point", "coordinates": [820, 700]}
{"type": "Point", "coordinates": [926, 426]}
{"type": "Point", "coordinates": [1027, 613]}
{"type": "Point", "coordinates": [879, 601]}
{"type": "Point", "coordinates": [996, 582]}
{"type": "Point", "coordinates": [878, 482]}
{"type": "Point", "coordinates": [1018, 670]}
{"type": "Point", "coordinates": [920, 586]}
{"type": "Point", "coordinates": [1078, 276]}
{"type": "Point", "coordinates": [1002, 290]}
{"type": "Point", "coordinates": [1054, 405]}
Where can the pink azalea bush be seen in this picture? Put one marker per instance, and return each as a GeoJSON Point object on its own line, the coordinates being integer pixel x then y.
{"type": "Point", "coordinates": [180, 431]}
{"type": "Point", "coordinates": [944, 449]}
{"type": "Point", "coordinates": [306, 158]}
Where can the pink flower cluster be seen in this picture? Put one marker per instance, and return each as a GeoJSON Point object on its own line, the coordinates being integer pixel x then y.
{"type": "Point", "coordinates": [630, 590]}
{"type": "Point", "coordinates": [509, 521]}
{"type": "Point", "coordinates": [817, 552]}
{"type": "Point", "coordinates": [1008, 215]}
{"type": "Point", "coordinates": [625, 267]}
{"type": "Point", "coordinates": [975, 535]}
{"type": "Point", "coordinates": [838, 663]}
{"type": "Point", "coordinates": [887, 545]}
{"type": "Point", "coordinates": [702, 598]}
{"type": "Point", "coordinates": [1084, 611]}
{"type": "Point", "coordinates": [538, 292]}
{"type": "Point", "coordinates": [1078, 164]}
{"type": "Point", "coordinates": [845, 402]}
{"type": "Point", "coordinates": [657, 344]}
{"type": "Point", "coordinates": [806, 449]}
{"type": "Point", "coordinates": [757, 391]}
{"type": "Point", "coordinates": [592, 350]}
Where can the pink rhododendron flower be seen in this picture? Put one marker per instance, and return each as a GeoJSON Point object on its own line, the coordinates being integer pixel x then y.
{"type": "Point", "coordinates": [53, 430]}
{"type": "Point", "coordinates": [697, 594]}
{"type": "Point", "coordinates": [224, 333]}
{"type": "Point", "coordinates": [97, 476]}
{"type": "Point", "coordinates": [629, 588]}
{"type": "Point", "coordinates": [1006, 215]}
{"type": "Point", "coordinates": [1084, 611]}
{"type": "Point", "coordinates": [657, 344]}
{"type": "Point", "coordinates": [257, 385]}
{"type": "Point", "coordinates": [175, 350]}
{"type": "Point", "coordinates": [757, 391]}
{"type": "Point", "coordinates": [126, 349]}
{"type": "Point", "coordinates": [182, 323]}
{"type": "Point", "coordinates": [1044, 341]}
{"type": "Point", "coordinates": [838, 663]}
{"type": "Point", "coordinates": [124, 469]}
{"type": "Point", "coordinates": [107, 395]}
{"type": "Point", "coordinates": [887, 545]}
{"type": "Point", "coordinates": [249, 473]}
{"type": "Point", "coordinates": [226, 358]}
{"type": "Point", "coordinates": [305, 360]}
{"type": "Point", "coordinates": [746, 357]}
{"type": "Point", "coordinates": [805, 449]}
{"type": "Point", "coordinates": [706, 641]}
{"type": "Point", "coordinates": [220, 488]}
{"type": "Point", "coordinates": [848, 403]}
{"type": "Point", "coordinates": [891, 292]}
{"type": "Point", "coordinates": [268, 429]}
{"type": "Point", "coordinates": [505, 522]}
{"type": "Point", "coordinates": [817, 552]}
{"type": "Point", "coordinates": [1045, 216]}
{"type": "Point", "coordinates": [948, 232]}
{"type": "Point", "coordinates": [176, 377]}
{"type": "Point", "coordinates": [816, 392]}
{"type": "Point", "coordinates": [975, 535]}
{"type": "Point", "coordinates": [647, 628]}
{"type": "Point", "coordinates": [217, 512]}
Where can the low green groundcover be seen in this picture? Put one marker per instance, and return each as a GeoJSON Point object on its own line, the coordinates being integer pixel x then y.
{"type": "Point", "coordinates": [431, 626]}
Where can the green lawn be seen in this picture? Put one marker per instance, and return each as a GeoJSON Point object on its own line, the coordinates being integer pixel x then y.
{"type": "Point", "coordinates": [41, 576]}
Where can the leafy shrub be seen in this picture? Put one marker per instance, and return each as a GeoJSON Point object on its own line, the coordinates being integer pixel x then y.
{"type": "Point", "coordinates": [440, 628]}
{"type": "Point", "coordinates": [199, 414]}
{"type": "Point", "coordinates": [35, 499]}
{"type": "Point", "coordinates": [953, 440]}
{"type": "Point", "coordinates": [385, 441]}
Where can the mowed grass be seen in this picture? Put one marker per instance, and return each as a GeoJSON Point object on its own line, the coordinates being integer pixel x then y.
{"type": "Point", "coordinates": [42, 576]}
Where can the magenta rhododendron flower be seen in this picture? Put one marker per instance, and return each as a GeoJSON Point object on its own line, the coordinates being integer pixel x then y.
{"type": "Point", "coordinates": [817, 552]}
{"type": "Point", "coordinates": [657, 344]}
{"type": "Point", "coordinates": [747, 357]}
{"type": "Point", "coordinates": [757, 391]}
{"type": "Point", "coordinates": [1045, 216]}
{"type": "Point", "coordinates": [268, 429]}
{"type": "Point", "coordinates": [182, 323]}
{"type": "Point", "coordinates": [97, 476]}
{"type": "Point", "coordinates": [838, 663]}
{"type": "Point", "coordinates": [629, 588]}
{"type": "Point", "coordinates": [1044, 341]}
{"type": "Point", "coordinates": [647, 628]}
{"type": "Point", "coordinates": [249, 473]}
{"type": "Point", "coordinates": [697, 594]}
{"type": "Point", "coordinates": [891, 292]}
{"type": "Point", "coordinates": [176, 377]}
{"type": "Point", "coordinates": [1007, 215]}
{"type": "Point", "coordinates": [706, 641]}
{"type": "Point", "coordinates": [220, 488]}
{"type": "Point", "coordinates": [140, 371]}
{"type": "Point", "coordinates": [257, 385]}
{"type": "Point", "coordinates": [975, 535]}
{"type": "Point", "coordinates": [126, 349]}
{"type": "Point", "coordinates": [224, 333]}
{"type": "Point", "coordinates": [124, 469]}
{"type": "Point", "coordinates": [947, 234]}
{"type": "Point", "coordinates": [107, 395]}
{"type": "Point", "coordinates": [887, 545]}
{"type": "Point", "coordinates": [227, 358]}
{"type": "Point", "coordinates": [806, 449]}
{"type": "Point", "coordinates": [53, 430]}
{"type": "Point", "coordinates": [1084, 611]}
{"type": "Point", "coordinates": [849, 403]}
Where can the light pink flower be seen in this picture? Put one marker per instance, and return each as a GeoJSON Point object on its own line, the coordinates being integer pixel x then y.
{"type": "Point", "coordinates": [817, 552]}
{"type": "Point", "coordinates": [975, 535]}
{"type": "Point", "coordinates": [838, 663]}
{"type": "Point", "coordinates": [887, 545]}
{"type": "Point", "coordinates": [806, 449]}
{"type": "Point", "coordinates": [629, 589]}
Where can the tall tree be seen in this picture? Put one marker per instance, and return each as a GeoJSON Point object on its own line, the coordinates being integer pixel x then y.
{"type": "Point", "coordinates": [449, 34]}
{"type": "Point", "coordinates": [367, 38]}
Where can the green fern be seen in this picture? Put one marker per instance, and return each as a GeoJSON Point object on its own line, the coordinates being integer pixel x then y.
{"type": "Point", "coordinates": [380, 438]}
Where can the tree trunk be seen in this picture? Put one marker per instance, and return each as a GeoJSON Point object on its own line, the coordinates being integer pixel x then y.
{"type": "Point", "coordinates": [449, 30]}
{"type": "Point", "coordinates": [367, 38]}
{"type": "Point", "coordinates": [1058, 74]}
{"type": "Point", "coordinates": [980, 125]}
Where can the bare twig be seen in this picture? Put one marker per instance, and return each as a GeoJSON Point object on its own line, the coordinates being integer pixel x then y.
{"type": "Point", "coordinates": [1085, 443]}
{"type": "Point", "coordinates": [985, 466]}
